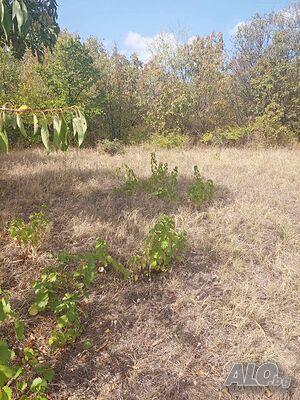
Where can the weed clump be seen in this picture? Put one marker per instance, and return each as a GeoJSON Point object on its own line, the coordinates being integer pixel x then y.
{"type": "Point", "coordinates": [163, 246]}
{"type": "Point", "coordinates": [131, 181]}
{"type": "Point", "coordinates": [162, 182]}
{"type": "Point", "coordinates": [201, 191]}
{"type": "Point", "coordinates": [29, 234]}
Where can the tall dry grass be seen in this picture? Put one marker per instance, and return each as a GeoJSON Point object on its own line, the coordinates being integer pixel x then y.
{"type": "Point", "coordinates": [235, 297]}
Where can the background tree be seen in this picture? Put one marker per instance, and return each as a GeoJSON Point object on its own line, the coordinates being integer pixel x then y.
{"type": "Point", "coordinates": [68, 72]}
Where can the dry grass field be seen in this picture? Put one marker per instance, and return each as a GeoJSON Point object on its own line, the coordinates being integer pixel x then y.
{"type": "Point", "coordinates": [234, 297]}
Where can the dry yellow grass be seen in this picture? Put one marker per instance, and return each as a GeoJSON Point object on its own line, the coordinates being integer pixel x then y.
{"type": "Point", "coordinates": [235, 297]}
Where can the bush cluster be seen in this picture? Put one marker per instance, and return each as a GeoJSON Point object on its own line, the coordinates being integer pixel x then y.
{"type": "Point", "coordinates": [163, 183]}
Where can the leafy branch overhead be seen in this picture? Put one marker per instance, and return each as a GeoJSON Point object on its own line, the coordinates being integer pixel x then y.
{"type": "Point", "coordinates": [28, 24]}
{"type": "Point", "coordinates": [50, 124]}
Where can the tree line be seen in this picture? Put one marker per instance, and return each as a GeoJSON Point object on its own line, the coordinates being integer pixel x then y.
{"type": "Point", "coordinates": [195, 89]}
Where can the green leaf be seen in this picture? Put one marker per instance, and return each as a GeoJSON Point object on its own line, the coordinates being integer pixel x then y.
{"type": "Point", "coordinates": [18, 14]}
{"type": "Point", "coordinates": [87, 344]}
{"type": "Point", "coordinates": [42, 299]}
{"type": "Point", "coordinates": [80, 127]}
{"type": "Point", "coordinates": [56, 131]}
{"type": "Point", "coordinates": [5, 393]}
{"type": "Point", "coordinates": [53, 341]}
{"type": "Point", "coordinates": [33, 310]}
{"type": "Point", "coordinates": [25, 17]}
{"type": "Point", "coordinates": [18, 372]}
{"type": "Point", "coordinates": [164, 244]}
{"type": "Point", "coordinates": [74, 123]}
{"type": "Point", "coordinates": [63, 134]}
{"type": "Point", "coordinates": [4, 351]}
{"type": "Point", "coordinates": [11, 119]}
{"type": "Point", "coordinates": [21, 125]}
{"type": "Point", "coordinates": [21, 386]}
{"type": "Point", "coordinates": [63, 321]}
{"type": "Point", "coordinates": [31, 356]}
{"type": "Point", "coordinates": [5, 308]}
{"type": "Point", "coordinates": [38, 385]}
{"type": "Point", "coordinates": [35, 124]}
{"type": "Point", "coordinates": [3, 141]}
{"type": "Point", "coordinates": [5, 19]}
{"type": "Point", "coordinates": [45, 135]}
{"type": "Point", "coordinates": [19, 328]}
{"type": "Point", "coordinates": [6, 373]}
{"type": "Point", "coordinates": [45, 371]}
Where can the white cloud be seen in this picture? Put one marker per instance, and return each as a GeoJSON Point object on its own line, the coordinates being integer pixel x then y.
{"type": "Point", "coordinates": [144, 45]}
{"type": "Point", "coordinates": [192, 39]}
{"type": "Point", "coordinates": [136, 43]}
{"type": "Point", "coordinates": [233, 31]}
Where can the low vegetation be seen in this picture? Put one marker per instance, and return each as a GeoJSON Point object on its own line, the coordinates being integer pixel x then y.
{"type": "Point", "coordinates": [163, 245]}
{"type": "Point", "coordinates": [60, 293]}
{"type": "Point", "coordinates": [201, 191]}
{"type": "Point", "coordinates": [29, 234]}
{"type": "Point", "coordinates": [85, 309]}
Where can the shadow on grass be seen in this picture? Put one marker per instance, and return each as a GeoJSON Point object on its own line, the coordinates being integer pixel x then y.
{"type": "Point", "coordinates": [92, 194]}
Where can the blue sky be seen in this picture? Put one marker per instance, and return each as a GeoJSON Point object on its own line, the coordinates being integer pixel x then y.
{"type": "Point", "coordinates": [130, 23]}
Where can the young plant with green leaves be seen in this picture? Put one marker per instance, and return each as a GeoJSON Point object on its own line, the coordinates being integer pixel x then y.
{"type": "Point", "coordinates": [62, 292]}
{"type": "Point", "coordinates": [132, 182]}
{"type": "Point", "coordinates": [164, 245]}
{"type": "Point", "coordinates": [21, 373]}
{"type": "Point", "coordinates": [8, 314]}
{"type": "Point", "coordinates": [201, 191]}
{"type": "Point", "coordinates": [162, 182]}
{"type": "Point", "coordinates": [29, 234]}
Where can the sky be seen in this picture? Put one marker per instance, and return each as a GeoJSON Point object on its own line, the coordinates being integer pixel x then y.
{"type": "Point", "coordinates": [132, 24]}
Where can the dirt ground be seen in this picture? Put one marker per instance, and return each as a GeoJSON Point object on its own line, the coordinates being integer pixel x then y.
{"type": "Point", "coordinates": [235, 297]}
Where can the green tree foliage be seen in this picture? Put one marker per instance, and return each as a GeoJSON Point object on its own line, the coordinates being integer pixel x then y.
{"type": "Point", "coordinates": [267, 66]}
{"type": "Point", "coordinates": [187, 89]}
{"type": "Point", "coordinates": [28, 24]}
{"type": "Point", "coordinates": [10, 70]}
{"type": "Point", "coordinates": [117, 93]}
{"type": "Point", "coordinates": [68, 72]}
{"type": "Point", "coordinates": [164, 100]}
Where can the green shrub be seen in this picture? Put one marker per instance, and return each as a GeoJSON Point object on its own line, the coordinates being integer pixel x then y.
{"type": "Point", "coordinates": [269, 129]}
{"type": "Point", "coordinates": [201, 191]}
{"type": "Point", "coordinates": [163, 246]}
{"type": "Point", "coordinates": [169, 141]}
{"type": "Point", "coordinates": [230, 137]}
{"type": "Point", "coordinates": [162, 182]}
{"type": "Point", "coordinates": [131, 183]}
{"type": "Point", "coordinates": [138, 135]}
{"type": "Point", "coordinates": [112, 147]}
{"type": "Point", "coordinates": [31, 233]}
